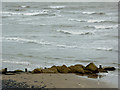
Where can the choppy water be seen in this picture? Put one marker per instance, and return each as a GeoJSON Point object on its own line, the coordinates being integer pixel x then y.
{"type": "Point", "coordinates": [46, 34]}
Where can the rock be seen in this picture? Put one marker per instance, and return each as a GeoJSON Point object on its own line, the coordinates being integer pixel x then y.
{"type": "Point", "coordinates": [92, 67]}
{"type": "Point", "coordinates": [2, 71]}
{"type": "Point", "coordinates": [53, 69]}
{"type": "Point", "coordinates": [18, 71]}
{"type": "Point", "coordinates": [79, 65]}
{"type": "Point", "coordinates": [37, 70]}
{"type": "Point", "coordinates": [109, 68]}
{"type": "Point", "coordinates": [63, 69]}
{"type": "Point", "coordinates": [77, 69]}
{"type": "Point", "coordinates": [88, 72]}
{"type": "Point", "coordinates": [48, 71]}
{"type": "Point", "coordinates": [102, 70]}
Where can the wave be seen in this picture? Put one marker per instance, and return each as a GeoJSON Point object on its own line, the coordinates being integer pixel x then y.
{"type": "Point", "coordinates": [91, 13]}
{"type": "Point", "coordinates": [66, 46]}
{"type": "Point", "coordinates": [27, 40]}
{"type": "Point", "coordinates": [73, 32]}
{"type": "Point", "coordinates": [105, 49]}
{"type": "Point", "coordinates": [102, 27]}
{"type": "Point", "coordinates": [25, 6]}
{"type": "Point", "coordinates": [34, 13]}
{"type": "Point", "coordinates": [16, 62]}
{"type": "Point", "coordinates": [57, 7]}
{"type": "Point", "coordinates": [91, 21]}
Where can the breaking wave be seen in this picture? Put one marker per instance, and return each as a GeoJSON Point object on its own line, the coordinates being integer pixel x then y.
{"type": "Point", "coordinates": [102, 27]}
{"type": "Point", "coordinates": [16, 62]}
{"type": "Point", "coordinates": [57, 7]}
{"type": "Point", "coordinates": [91, 13]}
{"type": "Point", "coordinates": [105, 49]}
{"type": "Point", "coordinates": [92, 21]}
{"type": "Point", "coordinates": [27, 40]}
{"type": "Point", "coordinates": [73, 32]}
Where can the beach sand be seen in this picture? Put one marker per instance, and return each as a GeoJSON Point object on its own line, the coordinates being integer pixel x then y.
{"type": "Point", "coordinates": [58, 80]}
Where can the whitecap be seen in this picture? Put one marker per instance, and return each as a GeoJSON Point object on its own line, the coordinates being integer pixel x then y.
{"type": "Point", "coordinates": [75, 32]}
{"type": "Point", "coordinates": [56, 7]}
{"type": "Point", "coordinates": [103, 27]}
{"type": "Point", "coordinates": [105, 49]}
{"type": "Point", "coordinates": [66, 46]}
{"type": "Point", "coordinates": [27, 40]}
{"type": "Point", "coordinates": [90, 13]}
{"type": "Point", "coordinates": [16, 62]}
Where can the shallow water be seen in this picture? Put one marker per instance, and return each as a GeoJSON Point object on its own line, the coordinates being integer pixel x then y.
{"type": "Point", "coordinates": [46, 34]}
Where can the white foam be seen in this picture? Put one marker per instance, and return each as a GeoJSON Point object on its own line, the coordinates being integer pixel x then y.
{"type": "Point", "coordinates": [105, 49]}
{"type": "Point", "coordinates": [16, 62]}
{"type": "Point", "coordinates": [103, 27]}
{"type": "Point", "coordinates": [89, 21]}
{"type": "Point", "coordinates": [66, 46]}
{"type": "Point", "coordinates": [31, 13]}
{"type": "Point", "coordinates": [75, 32]}
{"type": "Point", "coordinates": [57, 7]}
{"type": "Point", "coordinates": [90, 13]}
{"type": "Point", "coordinates": [27, 40]}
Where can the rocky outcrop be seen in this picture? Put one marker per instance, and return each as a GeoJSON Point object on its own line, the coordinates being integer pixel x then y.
{"type": "Point", "coordinates": [63, 69]}
{"type": "Point", "coordinates": [109, 68]}
{"type": "Point", "coordinates": [77, 69]}
{"type": "Point", "coordinates": [92, 67]}
{"type": "Point", "coordinates": [37, 70]}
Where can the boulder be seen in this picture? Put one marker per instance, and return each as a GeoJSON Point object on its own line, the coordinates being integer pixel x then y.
{"type": "Point", "coordinates": [92, 67]}
{"type": "Point", "coordinates": [47, 71]}
{"type": "Point", "coordinates": [79, 65]}
{"type": "Point", "coordinates": [102, 70]}
{"type": "Point", "coordinates": [77, 69]}
{"type": "Point", "coordinates": [37, 70]}
{"type": "Point", "coordinates": [63, 69]}
{"type": "Point", "coordinates": [54, 69]}
{"type": "Point", "coordinates": [109, 68]}
{"type": "Point", "coordinates": [18, 71]}
{"type": "Point", "coordinates": [88, 72]}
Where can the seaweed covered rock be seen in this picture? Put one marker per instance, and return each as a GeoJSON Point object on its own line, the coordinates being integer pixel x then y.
{"type": "Point", "coordinates": [102, 70]}
{"type": "Point", "coordinates": [53, 68]}
{"type": "Point", "coordinates": [18, 71]}
{"type": "Point", "coordinates": [49, 70]}
{"type": "Point", "coordinates": [92, 67]}
{"type": "Point", "coordinates": [77, 69]}
{"type": "Point", "coordinates": [109, 68]}
{"type": "Point", "coordinates": [37, 70]}
{"type": "Point", "coordinates": [63, 69]}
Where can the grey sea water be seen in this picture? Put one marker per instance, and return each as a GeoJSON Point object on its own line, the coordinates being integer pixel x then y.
{"type": "Point", "coordinates": [45, 34]}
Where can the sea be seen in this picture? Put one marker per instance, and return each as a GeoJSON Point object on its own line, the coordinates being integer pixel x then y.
{"type": "Point", "coordinates": [43, 34]}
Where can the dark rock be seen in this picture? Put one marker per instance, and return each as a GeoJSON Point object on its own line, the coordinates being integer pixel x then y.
{"type": "Point", "coordinates": [37, 70]}
{"type": "Point", "coordinates": [47, 71]}
{"type": "Point", "coordinates": [109, 68]}
{"type": "Point", "coordinates": [76, 69]}
{"type": "Point", "coordinates": [18, 71]}
{"type": "Point", "coordinates": [102, 70]}
{"type": "Point", "coordinates": [63, 69]}
{"type": "Point", "coordinates": [92, 67]}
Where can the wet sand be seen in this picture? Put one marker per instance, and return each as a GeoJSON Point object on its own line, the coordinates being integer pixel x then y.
{"type": "Point", "coordinates": [55, 81]}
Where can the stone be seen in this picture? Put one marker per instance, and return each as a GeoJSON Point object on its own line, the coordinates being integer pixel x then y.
{"type": "Point", "coordinates": [109, 68]}
{"type": "Point", "coordinates": [18, 71]}
{"type": "Point", "coordinates": [77, 69]}
{"type": "Point", "coordinates": [47, 71]}
{"type": "Point", "coordinates": [102, 70]}
{"type": "Point", "coordinates": [92, 67]}
{"type": "Point", "coordinates": [37, 70]}
{"type": "Point", "coordinates": [63, 69]}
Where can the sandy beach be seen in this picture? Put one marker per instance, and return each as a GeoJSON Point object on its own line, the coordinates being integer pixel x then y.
{"type": "Point", "coordinates": [55, 81]}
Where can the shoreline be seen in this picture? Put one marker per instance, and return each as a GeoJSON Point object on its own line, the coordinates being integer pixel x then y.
{"type": "Point", "coordinates": [58, 80]}
{"type": "Point", "coordinates": [58, 77]}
